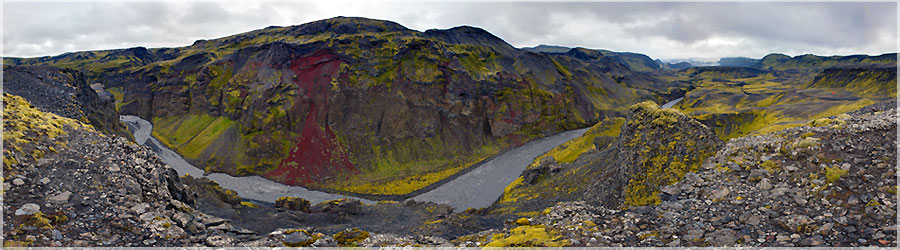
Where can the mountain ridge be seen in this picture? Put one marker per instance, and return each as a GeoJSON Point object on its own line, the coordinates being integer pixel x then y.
{"type": "Point", "coordinates": [474, 94]}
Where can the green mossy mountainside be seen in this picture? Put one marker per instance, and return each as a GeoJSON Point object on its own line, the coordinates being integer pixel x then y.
{"type": "Point", "coordinates": [617, 163]}
{"type": "Point", "coordinates": [64, 92]}
{"type": "Point", "coordinates": [808, 62]}
{"type": "Point", "coordinates": [738, 101]}
{"type": "Point", "coordinates": [360, 105]}
{"type": "Point", "coordinates": [633, 61]}
{"type": "Point", "coordinates": [811, 63]}
{"type": "Point", "coordinates": [67, 185]}
{"type": "Point", "coordinates": [867, 82]}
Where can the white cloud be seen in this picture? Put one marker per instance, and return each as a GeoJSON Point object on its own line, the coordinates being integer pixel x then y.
{"type": "Point", "coordinates": [660, 30]}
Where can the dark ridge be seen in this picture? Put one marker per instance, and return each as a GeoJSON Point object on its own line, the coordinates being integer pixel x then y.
{"type": "Point", "coordinates": [472, 36]}
{"type": "Point", "coordinates": [345, 25]}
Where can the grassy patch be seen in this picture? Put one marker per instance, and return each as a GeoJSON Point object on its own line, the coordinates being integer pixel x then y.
{"type": "Point", "coordinates": [394, 174]}
{"type": "Point", "coordinates": [190, 134]}
{"type": "Point", "coordinates": [570, 151]}
{"type": "Point", "coordinates": [23, 124]}
{"type": "Point", "coordinates": [528, 236]}
{"type": "Point", "coordinates": [118, 95]}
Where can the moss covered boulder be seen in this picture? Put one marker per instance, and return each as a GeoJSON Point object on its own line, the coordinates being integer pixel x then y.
{"type": "Point", "coordinates": [657, 147]}
{"type": "Point", "coordinates": [292, 203]}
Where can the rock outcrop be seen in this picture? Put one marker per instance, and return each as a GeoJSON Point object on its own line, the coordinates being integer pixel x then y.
{"type": "Point", "coordinates": [618, 163]}
{"type": "Point", "coordinates": [64, 92]}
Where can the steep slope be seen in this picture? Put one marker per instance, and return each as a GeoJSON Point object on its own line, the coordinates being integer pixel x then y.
{"type": "Point", "coordinates": [65, 184]}
{"type": "Point", "coordinates": [617, 163]}
{"type": "Point", "coordinates": [801, 187]}
{"type": "Point", "coordinates": [870, 82]}
{"type": "Point", "coordinates": [64, 92]}
{"type": "Point", "coordinates": [358, 105]}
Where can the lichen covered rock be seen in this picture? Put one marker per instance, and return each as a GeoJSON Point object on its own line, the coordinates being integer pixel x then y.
{"type": "Point", "coordinates": [657, 147]}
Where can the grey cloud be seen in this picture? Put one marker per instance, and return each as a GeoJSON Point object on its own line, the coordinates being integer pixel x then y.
{"type": "Point", "coordinates": [663, 30]}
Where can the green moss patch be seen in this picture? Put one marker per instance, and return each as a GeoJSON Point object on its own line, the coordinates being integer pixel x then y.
{"type": "Point", "coordinates": [528, 236]}
{"type": "Point", "coordinates": [569, 151]}
{"type": "Point", "coordinates": [191, 134]}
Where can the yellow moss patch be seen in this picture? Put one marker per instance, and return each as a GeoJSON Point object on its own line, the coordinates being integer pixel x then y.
{"type": "Point", "coordinates": [523, 222]}
{"type": "Point", "coordinates": [528, 236]}
{"type": "Point", "coordinates": [191, 134]}
{"type": "Point", "coordinates": [770, 166]}
{"type": "Point", "coordinates": [402, 186]}
{"type": "Point", "coordinates": [392, 175]}
{"type": "Point", "coordinates": [15, 243]}
{"type": "Point", "coordinates": [249, 204]}
{"type": "Point", "coordinates": [508, 196]}
{"type": "Point", "coordinates": [312, 238]}
{"type": "Point", "coordinates": [350, 238]}
{"type": "Point", "coordinates": [528, 214]}
{"type": "Point", "coordinates": [833, 174]}
{"type": "Point", "coordinates": [22, 122]}
{"type": "Point", "coordinates": [570, 151]}
{"type": "Point", "coordinates": [806, 142]}
{"type": "Point", "coordinates": [40, 221]}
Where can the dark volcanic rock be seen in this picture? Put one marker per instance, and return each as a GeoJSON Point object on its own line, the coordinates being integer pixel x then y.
{"type": "Point", "coordinates": [64, 92]}
{"type": "Point", "coordinates": [656, 147]}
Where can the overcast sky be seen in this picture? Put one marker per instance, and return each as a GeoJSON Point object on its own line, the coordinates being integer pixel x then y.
{"type": "Point", "coordinates": [660, 30]}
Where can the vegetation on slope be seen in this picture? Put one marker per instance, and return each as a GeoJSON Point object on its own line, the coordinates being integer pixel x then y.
{"type": "Point", "coordinates": [384, 109]}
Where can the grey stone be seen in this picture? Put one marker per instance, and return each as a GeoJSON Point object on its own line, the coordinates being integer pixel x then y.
{"type": "Point", "coordinates": [140, 208]}
{"type": "Point", "coordinates": [722, 237]}
{"type": "Point", "coordinates": [295, 238]}
{"type": "Point", "coordinates": [60, 198]}
{"type": "Point", "coordinates": [28, 209]}
{"type": "Point", "coordinates": [753, 220]}
{"type": "Point", "coordinates": [326, 241]}
{"type": "Point", "coordinates": [181, 218]}
{"type": "Point", "coordinates": [719, 194]}
{"type": "Point", "coordinates": [793, 223]}
{"type": "Point", "coordinates": [812, 241]}
{"type": "Point", "coordinates": [693, 234]}
{"type": "Point", "coordinates": [674, 243]}
{"type": "Point", "coordinates": [220, 241]}
{"type": "Point", "coordinates": [852, 200]}
{"type": "Point", "coordinates": [671, 189]}
{"type": "Point", "coordinates": [764, 184]}
{"type": "Point", "coordinates": [45, 180]}
{"type": "Point", "coordinates": [56, 235]}
{"type": "Point", "coordinates": [18, 182]}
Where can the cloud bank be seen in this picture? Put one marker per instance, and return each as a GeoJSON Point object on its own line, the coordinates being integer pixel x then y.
{"type": "Point", "coordinates": [660, 30]}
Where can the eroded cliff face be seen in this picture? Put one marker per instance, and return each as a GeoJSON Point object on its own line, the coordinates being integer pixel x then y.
{"type": "Point", "coordinates": [361, 105]}
{"type": "Point", "coordinates": [64, 92]}
{"type": "Point", "coordinates": [618, 163]}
